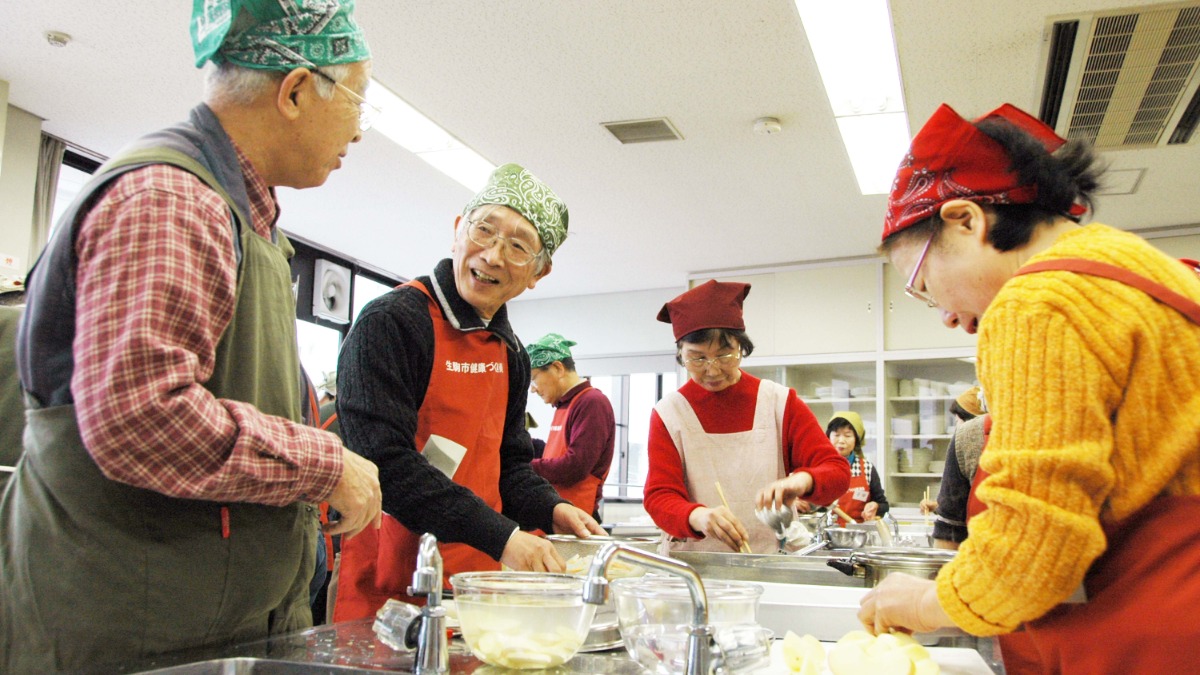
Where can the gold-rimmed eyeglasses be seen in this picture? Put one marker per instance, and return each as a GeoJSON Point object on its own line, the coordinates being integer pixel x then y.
{"type": "Point", "coordinates": [910, 289]}
{"type": "Point", "coordinates": [518, 251]}
{"type": "Point", "coordinates": [700, 363]}
{"type": "Point", "coordinates": [366, 111]}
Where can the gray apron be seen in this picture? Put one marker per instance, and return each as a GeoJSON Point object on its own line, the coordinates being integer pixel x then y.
{"type": "Point", "coordinates": [98, 572]}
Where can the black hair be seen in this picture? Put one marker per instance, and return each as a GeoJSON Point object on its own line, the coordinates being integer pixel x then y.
{"type": "Point", "coordinates": [839, 423]}
{"type": "Point", "coordinates": [1066, 177]}
{"type": "Point", "coordinates": [960, 412]}
{"type": "Point", "coordinates": [724, 337]}
{"type": "Point", "coordinates": [568, 363]}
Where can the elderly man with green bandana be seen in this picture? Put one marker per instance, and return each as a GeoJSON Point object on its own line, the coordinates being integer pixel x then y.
{"type": "Point", "coordinates": [167, 496]}
{"type": "Point", "coordinates": [432, 386]}
{"type": "Point", "coordinates": [579, 450]}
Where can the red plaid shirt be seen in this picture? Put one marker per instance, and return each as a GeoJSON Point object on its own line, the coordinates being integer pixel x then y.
{"type": "Point", "coordinates": [157, 279]}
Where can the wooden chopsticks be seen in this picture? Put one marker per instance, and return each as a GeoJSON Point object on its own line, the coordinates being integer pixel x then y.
{"type": "Point", "coordinates": [745, 548]}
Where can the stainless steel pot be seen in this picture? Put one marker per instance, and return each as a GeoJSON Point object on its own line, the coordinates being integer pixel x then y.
{"type": "Point", "coordinates": [569, 545]}
{"type": "Point", "coordinates": [876, 563]}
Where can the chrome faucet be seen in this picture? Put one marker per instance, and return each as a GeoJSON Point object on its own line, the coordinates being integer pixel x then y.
{"type": "Point", "coordinates": [702, 657]}
{"type": "Point", "coordinates": [433, 652]}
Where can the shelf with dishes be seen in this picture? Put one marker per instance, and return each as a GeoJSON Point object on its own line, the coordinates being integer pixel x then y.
{"type": "Point", "coordinates": [838, 401]}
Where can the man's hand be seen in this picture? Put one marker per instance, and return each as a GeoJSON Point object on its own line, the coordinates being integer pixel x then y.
{"type": "Point", "coordinates": [928, 506]}
{"type": "Point", "coordinates": [903, 602]}
{"type": "Point", "coordinates": [357, 497]}
{"type": "Point", "coordinates": [569, 519]}
{"type": "Point", "coordinates": [720, 523]}
{"type": "Point", "coordinates": [526, 553]}
{"type": "Point", "coordinates": [784, 491]}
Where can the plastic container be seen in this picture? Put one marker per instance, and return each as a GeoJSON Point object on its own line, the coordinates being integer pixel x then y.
{"type": "Point", "coordinates": [522, 620]}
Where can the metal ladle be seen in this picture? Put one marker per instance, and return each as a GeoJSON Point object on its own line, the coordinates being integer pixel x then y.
{"type": "Point", "coordinates": [777, 518]}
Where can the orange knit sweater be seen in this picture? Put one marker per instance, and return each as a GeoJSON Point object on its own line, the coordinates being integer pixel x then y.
{"type": "Point", "coordinates": [1094, 388]}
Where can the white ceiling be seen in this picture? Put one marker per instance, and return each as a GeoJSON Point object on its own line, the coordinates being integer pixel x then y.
{"type": "Point", "coordinates": [531, 81]}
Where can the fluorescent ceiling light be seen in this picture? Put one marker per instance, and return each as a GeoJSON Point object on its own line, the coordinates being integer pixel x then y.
{"type": "Point", "coordinates": [875, 144]}
{"type": "Point", "coordinates": [856, 54]}
{"type": "Point", "coordinates": [421, 136]}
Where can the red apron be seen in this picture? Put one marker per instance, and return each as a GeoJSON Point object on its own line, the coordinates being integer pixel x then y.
{"type": "Point", "coordinates": [466, 403]}
{"type": "Point", "coordinates": [586, 493]}
{"type": "Point", "coordinates": [1142, 598]}
{"type": "Point", "coordinates": [857, 495]}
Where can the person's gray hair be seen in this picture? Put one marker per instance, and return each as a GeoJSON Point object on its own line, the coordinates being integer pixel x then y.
{"type": "Point", "coordinates": [231, 83]}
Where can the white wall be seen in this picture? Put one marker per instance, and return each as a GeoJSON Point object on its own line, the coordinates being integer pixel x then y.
{"type": "Point", "coordinates": [18, 176]}
{"type": "Point", "coordinates": [3, 118]}
{"type": "Point", "coordinates": [607, 326]}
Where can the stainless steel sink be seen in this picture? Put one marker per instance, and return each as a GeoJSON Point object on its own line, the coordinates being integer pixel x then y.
{"type": "Point", "coordinates": [254, 666]}
{"type": "Point", "coordinates": [773, 567]}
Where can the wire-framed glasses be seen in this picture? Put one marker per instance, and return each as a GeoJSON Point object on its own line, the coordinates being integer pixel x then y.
{"type": "Point", "coordinates": [700, 363]}
{"type": "Point", "coordinates": [910, 289]}
{"type": "Point", "coordinates": [366, 111]}
{"type": "Point", "coordinates": [518, 251]}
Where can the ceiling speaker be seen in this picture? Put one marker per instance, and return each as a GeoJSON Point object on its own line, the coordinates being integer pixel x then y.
{"type": "Point", "coordinates": [331, 292]}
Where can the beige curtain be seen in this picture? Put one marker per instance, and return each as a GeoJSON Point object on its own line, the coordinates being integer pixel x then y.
{"type": "Point", "coordinates": [50, 157]}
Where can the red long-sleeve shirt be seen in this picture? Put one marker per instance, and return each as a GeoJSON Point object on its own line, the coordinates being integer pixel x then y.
{"type": "Point", "coordinates": [157, 280]}
{"type": "Point", "coordinates": [731, 410]}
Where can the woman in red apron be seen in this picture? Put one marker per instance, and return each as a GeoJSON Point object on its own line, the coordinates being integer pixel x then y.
{"type": "Point", "coordinates": [1089, 350]}
{"type": "Point", "coordinates": [864, 499]}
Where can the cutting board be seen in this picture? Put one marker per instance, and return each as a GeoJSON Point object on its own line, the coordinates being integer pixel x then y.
{"type": "Point", "coordinates": [952, 660]}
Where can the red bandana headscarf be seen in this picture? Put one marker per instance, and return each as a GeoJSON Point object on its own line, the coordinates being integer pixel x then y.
{"type": "Point", "coordinates": [951, 159]}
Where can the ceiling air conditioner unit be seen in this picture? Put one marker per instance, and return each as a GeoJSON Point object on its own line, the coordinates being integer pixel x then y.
{"type": "Point", "coordinates": [1124, 78]}
{"type": "Point", "coordinates": [331, 292]}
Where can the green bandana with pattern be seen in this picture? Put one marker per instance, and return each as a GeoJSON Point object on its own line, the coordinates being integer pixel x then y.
{"type": "Point", "coordinates": [512, 186]}
{"type": "Point", "coordinates": [277, 34]}
{"type": "Point", "coordinates": [552, 347]}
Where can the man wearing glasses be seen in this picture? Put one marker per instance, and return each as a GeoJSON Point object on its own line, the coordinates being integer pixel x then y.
{"type": "Point", "coordinates": [167, 498]}
{"type": "Point", "coordinates": [432, 386]}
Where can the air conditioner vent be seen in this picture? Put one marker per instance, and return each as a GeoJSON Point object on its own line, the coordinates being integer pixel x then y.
{"type": "Point", "coordinates": [643, 131]}
{"type": "Point", "coordinates": [1131, 75]}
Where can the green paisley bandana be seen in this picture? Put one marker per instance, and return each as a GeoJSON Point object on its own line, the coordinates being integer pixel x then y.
{"type": "Point", "coordinates": [277, 34]}
{"type": "Point", "coordinates": [512, 186]}
{"type": "Point", "coordinates": [552, 347]}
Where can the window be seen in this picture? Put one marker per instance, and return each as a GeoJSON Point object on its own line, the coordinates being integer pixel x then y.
{"type": "Point", "coordinates": [318, 349]}
{"type": "Point", "coordinates": [366, 289]}
{"type": "Point", "coordinates": [633, 399]}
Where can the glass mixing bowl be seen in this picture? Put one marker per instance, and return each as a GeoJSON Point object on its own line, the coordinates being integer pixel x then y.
{"type": "Point", "coordinates": [522, 619]}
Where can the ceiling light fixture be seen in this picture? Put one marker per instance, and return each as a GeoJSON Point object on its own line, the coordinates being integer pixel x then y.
{"type": "Point", "coordinates": [57, 38]}
{"type": "Point", "coordinates": [856, 53]}
{"type": "Point", "coordinates": [413, 131]}
{"type": "Point", "coordinates": [766, 126]}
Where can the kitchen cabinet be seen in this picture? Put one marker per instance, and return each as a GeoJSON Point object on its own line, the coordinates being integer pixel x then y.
{"type": "Point", "coordinates": [920, 424]}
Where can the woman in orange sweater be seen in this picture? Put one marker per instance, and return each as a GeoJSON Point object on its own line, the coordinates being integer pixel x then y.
{"type": "Point", "coordinates": [1091, 476]}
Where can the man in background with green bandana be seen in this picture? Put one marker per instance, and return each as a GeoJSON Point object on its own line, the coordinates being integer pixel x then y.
{"type": "Point", "coordinates": [579, 450]}
{"type": "Point", "coordinates": [432, 386]}
{"type": "Point", "coordinates": [167, 496]}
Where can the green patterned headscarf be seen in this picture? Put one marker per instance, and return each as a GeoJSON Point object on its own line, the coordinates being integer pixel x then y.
{"type": "Point", "coordinates": [512, 186]}
{"type": "Point", "coordinates": [277, 34]}
{"type": "Point", "coordinates": [552, 347]}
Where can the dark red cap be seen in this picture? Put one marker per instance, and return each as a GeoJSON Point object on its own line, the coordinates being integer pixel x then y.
{"type": "Point", "coordinates": [951, 159]}
{"type": "Point", "coordinates": [712, 304]}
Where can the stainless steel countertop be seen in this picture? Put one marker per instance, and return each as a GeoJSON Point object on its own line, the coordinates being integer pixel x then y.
{"type": "Point", "coordinates": [347, 648]}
